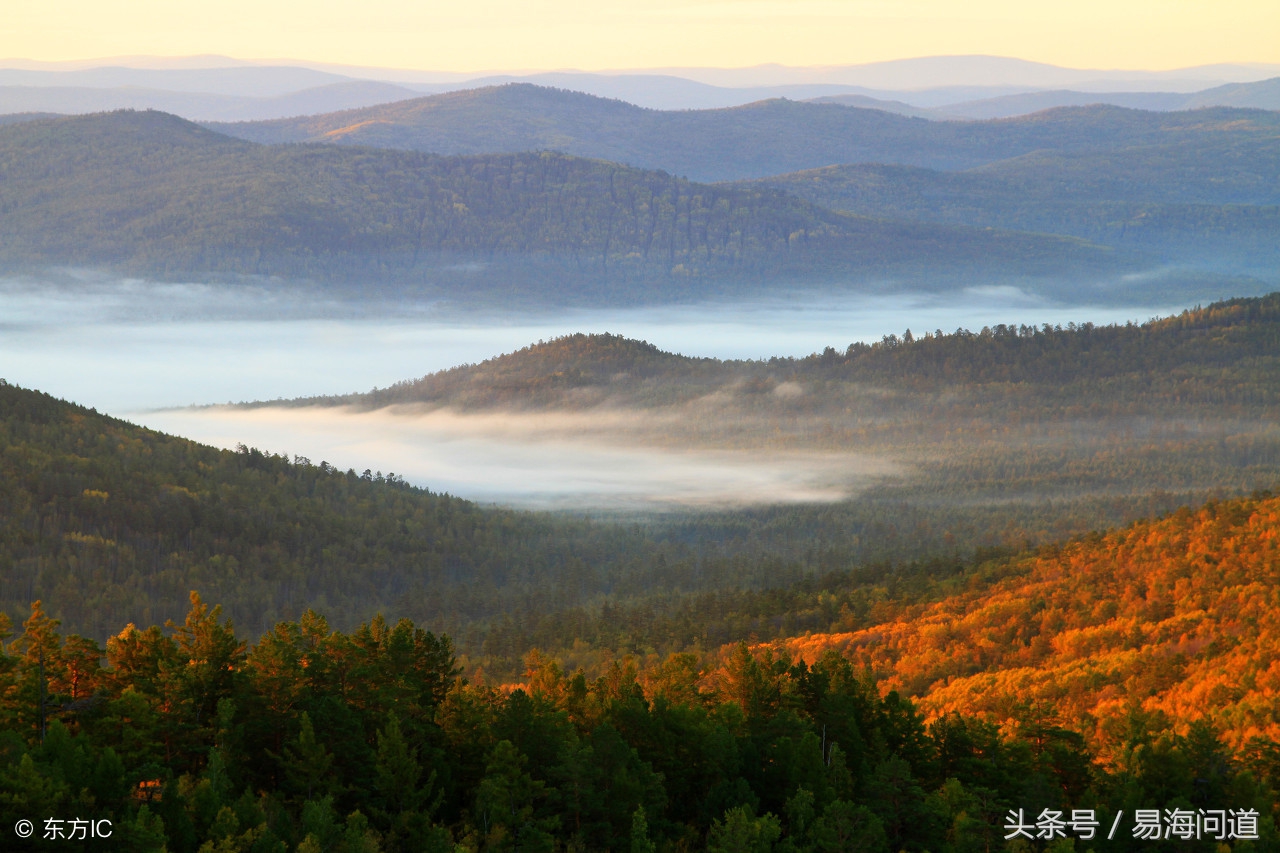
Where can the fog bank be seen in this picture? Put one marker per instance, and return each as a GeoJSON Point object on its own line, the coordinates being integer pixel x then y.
{"type": "Point", "coordinates": [593, 461]}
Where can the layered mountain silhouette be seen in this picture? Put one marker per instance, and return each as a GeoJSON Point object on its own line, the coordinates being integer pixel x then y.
{"type": "Point", "coordinates": [755, 140]}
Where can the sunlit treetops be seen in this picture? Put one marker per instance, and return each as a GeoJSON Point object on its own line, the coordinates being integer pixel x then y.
{"type": "Point", "coordinates": [1178, 618]}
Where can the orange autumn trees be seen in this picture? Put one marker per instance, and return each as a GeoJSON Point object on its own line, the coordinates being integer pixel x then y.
{"type": "Point", "coordinates": [1179, 617]}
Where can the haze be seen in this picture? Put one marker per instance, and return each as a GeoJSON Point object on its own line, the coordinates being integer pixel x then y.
{"type": "Point", "coordinates": [131, 348]}
{"type": "Point", "coordinates": [506, 34]}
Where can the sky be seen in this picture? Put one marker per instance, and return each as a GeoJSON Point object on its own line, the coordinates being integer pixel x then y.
{"type": "Point", "coordinates": [481, 35]}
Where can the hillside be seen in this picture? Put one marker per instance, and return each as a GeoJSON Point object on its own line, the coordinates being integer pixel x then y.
{"type": "Point", "coordinates": [148, 193]}
{"type": "Point", "coordinates": [765, 138]}
{"type": "Point", "coordinates": [1209, 200]}
{"type": "Point", "coordinates": [948, 443]}
{"type": "Point", "coordinates": [1174, 619]}
{"type": "Point", "coordinates": [940, 442]}
{"type": "Point", "coordinates": [192, 735]}
{"type": "Point", "coordinates": [110, 523]}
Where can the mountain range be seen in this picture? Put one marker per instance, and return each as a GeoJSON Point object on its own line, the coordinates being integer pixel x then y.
{"type": "Point", "coordinates": [755, 140]}
{"type": "Point", "coordinates": [944, 88]}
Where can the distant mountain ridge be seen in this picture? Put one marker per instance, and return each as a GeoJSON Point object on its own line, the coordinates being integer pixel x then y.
{"type": "Point", "coordinates": [756, 140]}
{"type": "Point", "coordinates": [1261, 95]}
{"type": "Point", "coordinates": [200, 105]}
{"type": "Point", "coordinates": [941, 88]}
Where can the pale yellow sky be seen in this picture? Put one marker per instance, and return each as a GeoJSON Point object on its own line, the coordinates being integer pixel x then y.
{"type": "Point", "coordinates": [472, 35]}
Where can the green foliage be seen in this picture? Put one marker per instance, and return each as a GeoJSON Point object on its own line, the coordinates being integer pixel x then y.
{"type": "Point", "coordinates": [116, 523]}
{"type": "Point", "coordinates": [743, 832]}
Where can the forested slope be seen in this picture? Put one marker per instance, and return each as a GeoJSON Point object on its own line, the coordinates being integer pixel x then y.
{"type": "Point", "coordinates": [109, 523]}
{"type": "Point", "coordinates": [997, 438]}
{"type": "Point", "coordinates": [152, 194]}
{"type": "Point", "coordinates": [1003, 437]}
{"type": "Point", "coordinates": [1175, 619]}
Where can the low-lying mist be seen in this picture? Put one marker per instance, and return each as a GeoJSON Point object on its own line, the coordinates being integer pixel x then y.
{"type": "Point", "coordinates": [613, 460]}
{"type": "Point", "coordinates": [139, 349]}
{"type": "Point", "coordinates": [124, 345]}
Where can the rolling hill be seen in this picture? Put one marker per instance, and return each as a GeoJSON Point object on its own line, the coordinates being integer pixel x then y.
{"type": "Point", "coordinates": [148, 193]}
{"type": "Point", "coordinates": [200, 106]}
{"type": "Point", "coordinates": [1222, 354]}
{"type": "Point", "coordinates": [1004, 436]}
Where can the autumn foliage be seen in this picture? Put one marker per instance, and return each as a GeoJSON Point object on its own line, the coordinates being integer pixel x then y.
{"type": "Point", "coordinates": [1178, 617]}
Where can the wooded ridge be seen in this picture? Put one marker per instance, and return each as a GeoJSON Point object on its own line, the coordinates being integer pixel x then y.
{"type": "Point", "coordinates": [148, 193]}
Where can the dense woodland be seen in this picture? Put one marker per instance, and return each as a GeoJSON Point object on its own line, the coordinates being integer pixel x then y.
{"type": "Point", "coordinates": [148, 193]}
{"type": "Point", "coordinates": [1196, 186]}
{"type": "Point", "coordinates": [422, 199]}
{"type": "Point", "coordinates": [1177, 618]}
{"type": "Point", "coordinates": [391, 669]}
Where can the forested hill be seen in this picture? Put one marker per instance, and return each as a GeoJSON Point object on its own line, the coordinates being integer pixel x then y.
{"type": "Point", "coordinates": [755, 140]}
{"type": "Point", "coordinates": [111, 523]}
{"type": "Point", "coordinates": [1228, 351]}
{"type": "Point", "coordinates": [148, 193]}
{"type": "Point", "coordinates": [565, 372]}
